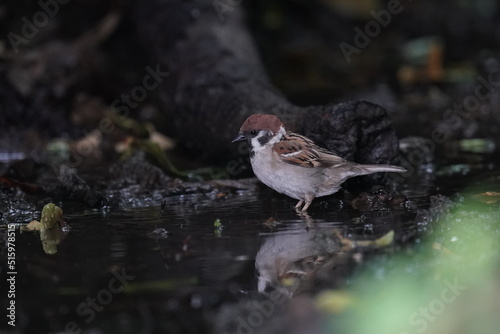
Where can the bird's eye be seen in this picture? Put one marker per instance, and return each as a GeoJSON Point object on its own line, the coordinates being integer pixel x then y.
{"type": "Point", "coordinates": [253, 132]}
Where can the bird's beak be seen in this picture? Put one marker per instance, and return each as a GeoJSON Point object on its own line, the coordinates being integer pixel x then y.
{"type": "Point", "coordinates": [239, 137]}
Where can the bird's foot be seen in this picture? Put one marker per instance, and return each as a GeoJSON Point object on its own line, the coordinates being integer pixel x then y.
{"type": "Point", "coordinates": [305, 207]}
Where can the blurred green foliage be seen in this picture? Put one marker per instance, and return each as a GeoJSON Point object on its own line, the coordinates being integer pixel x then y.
{"type": "Point", "coordinates": [448, 284]}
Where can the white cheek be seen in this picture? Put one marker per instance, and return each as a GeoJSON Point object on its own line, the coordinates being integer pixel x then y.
{"type": "Point", "coordinates": [255, 144]}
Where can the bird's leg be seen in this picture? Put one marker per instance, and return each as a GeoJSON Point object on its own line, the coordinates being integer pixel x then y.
{"type": "Point", "coordinates": [299, 204]}
{"type": "Point", "coordinates": [304, 209]}
{"type": "Point", "coordinates": [308, 200]}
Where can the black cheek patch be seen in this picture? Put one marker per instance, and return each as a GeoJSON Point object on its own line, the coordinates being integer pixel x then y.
{"type": "Point", "coordinates": [265, 138]}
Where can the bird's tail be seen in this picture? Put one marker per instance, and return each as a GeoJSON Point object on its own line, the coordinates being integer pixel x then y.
{"type": "Point", "coordinates": [369, 169]}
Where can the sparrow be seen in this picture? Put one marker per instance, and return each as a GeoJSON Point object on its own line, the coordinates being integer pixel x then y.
{"type": "Point", "coordinates": [294, 165]}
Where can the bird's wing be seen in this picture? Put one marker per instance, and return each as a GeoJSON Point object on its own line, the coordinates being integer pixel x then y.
{"type": "Point", "coordinates": [295, 149]}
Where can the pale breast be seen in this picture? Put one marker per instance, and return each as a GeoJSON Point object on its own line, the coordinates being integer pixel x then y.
{"type": "Point", "coordinates": [293, 181]}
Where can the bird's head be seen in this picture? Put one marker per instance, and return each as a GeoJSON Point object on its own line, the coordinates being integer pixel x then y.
{"type": "Point", "coordinates": [261, 130]}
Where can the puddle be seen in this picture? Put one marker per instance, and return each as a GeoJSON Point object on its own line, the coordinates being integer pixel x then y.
{"type": "Point", "coordinates": [176, 263]}
{"type": "Point", "coordinates": [169, 269]}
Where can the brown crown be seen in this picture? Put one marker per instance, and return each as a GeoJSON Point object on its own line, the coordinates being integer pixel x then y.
{"type": "Point", "coordinates": [262, 122]}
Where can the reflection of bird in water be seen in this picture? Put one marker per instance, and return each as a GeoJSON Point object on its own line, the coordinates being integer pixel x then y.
{"type": "Point", "coordinates": [288, 262]}
{"type": "Point", "coordinates": [284, 261]}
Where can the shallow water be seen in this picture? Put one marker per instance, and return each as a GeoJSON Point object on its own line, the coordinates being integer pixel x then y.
{"type": "Point", "coordinates": [168, 269]}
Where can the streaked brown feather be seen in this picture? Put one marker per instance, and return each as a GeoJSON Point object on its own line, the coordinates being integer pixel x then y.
{"type": "Point", "coordinates": [298, 150]}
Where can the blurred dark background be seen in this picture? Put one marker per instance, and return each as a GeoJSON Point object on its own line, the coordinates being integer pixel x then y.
{"type": "Point", "coordinates": [426, 59]}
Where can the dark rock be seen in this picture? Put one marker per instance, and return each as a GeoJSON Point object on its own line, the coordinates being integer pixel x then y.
{"type": "Point", "coordinates": [356, 130]}
{"type": "Point", "coordinates": [70, 186]}
{"type": "Point", "coordinates": [378, 199]}
{"type": "Point", "coordinates": [217, 80]}
{"type": "Point", "coordinates": [440, 207]}
{"type": "Point", "coordinates": [135, 181]}
{"type": "Point", "coordinates": [136, 170]}
{"type": "Point", "coordinates": [14, 207]}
